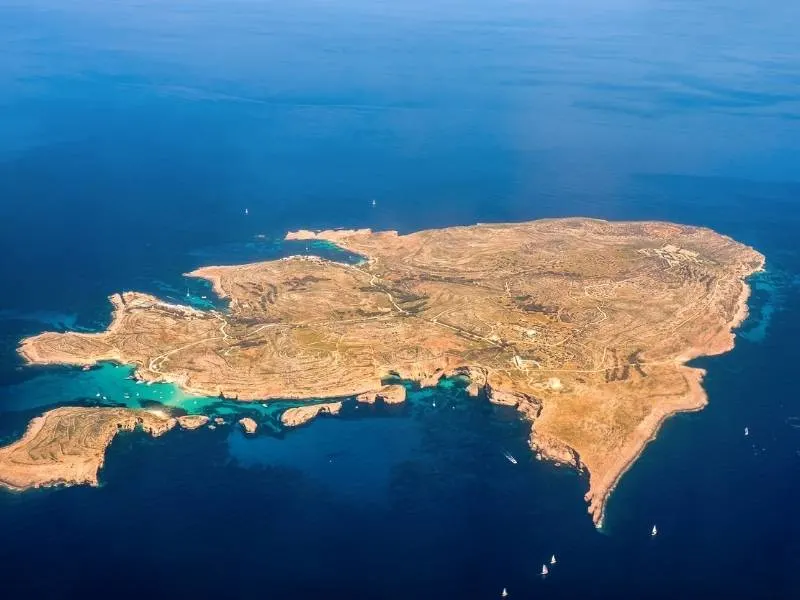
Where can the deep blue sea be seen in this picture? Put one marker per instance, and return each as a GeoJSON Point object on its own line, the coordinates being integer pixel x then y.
{"type": "Point", "coordinates": [134, 134]}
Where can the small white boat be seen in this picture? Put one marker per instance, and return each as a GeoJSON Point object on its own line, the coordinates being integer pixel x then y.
{"type": "Point", "coordinates": [374, 202]}
{"type": "Point", "coordinates": [746, 431]}
{"type": "Point", "coordinates": [504, 593]}
{"type": "Point", "coordinates": [654, 531]}
{"type": "Point", "coordinates": [553, 559]}
{"type": "Point", "coordinates": [545, 570]}
{"type": "Point", "coordinates": [510, 458]}
{"type": "Point", "coordinates": [246, 212]}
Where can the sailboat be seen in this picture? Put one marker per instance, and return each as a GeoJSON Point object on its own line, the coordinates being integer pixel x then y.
{"type": "Point", "coordinates": [545, 570]}
{"type": "Point", "coordinates": [246, 211]}
{"type": "Point", "coordinates": [654, 532]}
{"type": "Point", "coordinates": [553, 559]}
{"type": "Point", "coordinates": [373, 202]}
{"type": "Point", "coordinates": [746, 431]}
{"type": "Point", "coordinates": [504, 593]}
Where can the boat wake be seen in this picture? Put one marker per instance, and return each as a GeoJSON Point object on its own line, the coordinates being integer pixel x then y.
{"type": "Point", "coordinates": [510, 458]}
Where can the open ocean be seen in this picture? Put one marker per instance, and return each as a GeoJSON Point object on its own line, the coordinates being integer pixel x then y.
{"type": "Point", "coordinates": [135, 133]}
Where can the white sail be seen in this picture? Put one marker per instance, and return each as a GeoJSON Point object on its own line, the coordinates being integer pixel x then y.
{"type": "Point", "coordinates": [545, 570]}
{"type": "Point", "coordinates": [654, 532]}
{"type": "Point", "coordinates": [504, 593]}
{"type": "Point", "coordinates": [553, 559]}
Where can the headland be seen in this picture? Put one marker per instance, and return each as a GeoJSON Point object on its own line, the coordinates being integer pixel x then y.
{"type": "Point", "coordinates": [67, 445]}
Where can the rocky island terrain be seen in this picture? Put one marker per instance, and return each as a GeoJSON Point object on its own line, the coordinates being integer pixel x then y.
{"type": "Point", "coordinates": [584, 326]}
{"type": "Point", "coordinates": [67, 445]}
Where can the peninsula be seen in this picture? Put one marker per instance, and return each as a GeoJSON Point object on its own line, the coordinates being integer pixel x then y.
{"type": "Point", "coordinates": [584, 326]}
{"type": "Point", "coordinates": [67, 445]}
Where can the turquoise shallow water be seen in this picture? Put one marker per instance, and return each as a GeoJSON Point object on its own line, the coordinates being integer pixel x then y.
{"type": "Point", "coordinates": [106, 384]}
{"type": "Point", "coordinates": [136, 135]}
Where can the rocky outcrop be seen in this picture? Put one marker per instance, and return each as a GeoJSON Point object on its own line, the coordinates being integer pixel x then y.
{"type": "Point", "coordinates": [505, 397]}
{"type": "Point", "coordinates": [431, 380]}
{"type": "Point", "coordinates": [299, 415]}
{"type": "Point", "coordinates": [248, 425]}
{"type": "Point", "coordinates": [388, 394]}
{"type": "Point", "coordinates": [552, 449]}
{"type": "Point", "coordinates": [191, 422]}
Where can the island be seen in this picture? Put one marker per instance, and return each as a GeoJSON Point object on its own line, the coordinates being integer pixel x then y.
{"type": "Point", "coordinates": [191, 422]}
{"type": "Point", "coordinates": [584, 326]}
{"type": "Point", "coordinates": [248, 425]}
{"type": "Point", "coordinates": [300, 415]}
